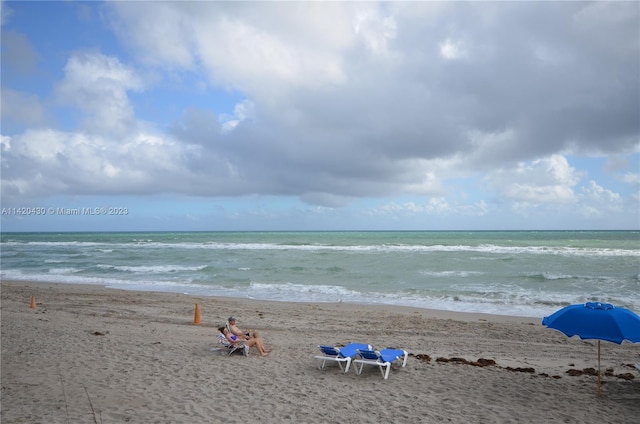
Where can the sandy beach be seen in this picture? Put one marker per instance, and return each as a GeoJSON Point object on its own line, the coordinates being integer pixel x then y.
{"type": "Point", "coordinates": [88, 354]}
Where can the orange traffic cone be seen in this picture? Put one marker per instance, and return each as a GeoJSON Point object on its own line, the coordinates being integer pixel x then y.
{"type": "Point", "coordinates": [33, 302]}
{"type": "Point", "coordinates": [196, 318]}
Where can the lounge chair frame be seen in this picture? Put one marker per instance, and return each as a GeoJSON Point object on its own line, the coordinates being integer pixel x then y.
{"type": "Point", "coordinates": [341, 356]}
{"type": "Point", "coordinates": [382, 359]}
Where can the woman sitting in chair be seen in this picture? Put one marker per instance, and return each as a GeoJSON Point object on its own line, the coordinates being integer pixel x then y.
{"type": "Point", "coordinates": [252, 341]}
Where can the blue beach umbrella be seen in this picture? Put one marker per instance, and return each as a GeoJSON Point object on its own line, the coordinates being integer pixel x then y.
{"type": "Point", "coordinates": [595, 320]}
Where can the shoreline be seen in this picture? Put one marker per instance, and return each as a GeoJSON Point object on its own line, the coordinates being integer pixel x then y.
{"type": "Point", "coordinates": [399, 309]}
{"type": "Point", "coordinates": [89, 353]}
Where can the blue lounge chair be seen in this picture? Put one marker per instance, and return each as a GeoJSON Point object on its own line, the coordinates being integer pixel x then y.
{"type": "Point", "coordinates": [339, 355]}
{"type": "Point", "coordinates": [383, 359]}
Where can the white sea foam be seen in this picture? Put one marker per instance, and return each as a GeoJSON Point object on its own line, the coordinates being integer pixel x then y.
{"type": "Point", "coordinates": [151, 269]}
{"type": "Point", "coordinates": [450, 273]}
{"type": "Point", "coordinates": [63, 271]}
{"type": "Point", "coordinates": [485, 248]}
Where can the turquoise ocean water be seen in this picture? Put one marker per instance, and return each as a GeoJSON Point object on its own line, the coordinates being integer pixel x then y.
{"type": "Point", "coordinates": [526, 273]}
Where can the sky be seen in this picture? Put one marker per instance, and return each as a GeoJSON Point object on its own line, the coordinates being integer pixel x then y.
{"type": "Point", "coordinates": [268, 116]}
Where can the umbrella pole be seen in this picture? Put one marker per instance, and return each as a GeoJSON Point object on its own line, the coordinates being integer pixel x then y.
{"type": "Point", "coordinates": [598, 368]}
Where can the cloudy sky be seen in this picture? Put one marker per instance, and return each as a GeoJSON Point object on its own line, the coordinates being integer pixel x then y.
{"type": "Point", "coordinates": [320, 115]}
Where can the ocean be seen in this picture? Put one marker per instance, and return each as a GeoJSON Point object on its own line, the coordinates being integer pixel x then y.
{"type": "Point", "coordinates": [522, 273]}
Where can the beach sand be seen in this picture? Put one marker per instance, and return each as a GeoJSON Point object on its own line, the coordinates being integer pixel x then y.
{"type": "Point", "coordinates": [88, 354]}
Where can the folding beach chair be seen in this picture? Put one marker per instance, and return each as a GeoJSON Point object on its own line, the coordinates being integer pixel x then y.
{"type": "Point", "coordinates": [231, 348]}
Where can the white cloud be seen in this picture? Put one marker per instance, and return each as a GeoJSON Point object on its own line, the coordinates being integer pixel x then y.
{"type": "Point", "coordinates": [165, 22]}
{"type": "Point", "coordinates": [264, 63]}
{"type": "Point", "coordinates": [452, 50]}
{"type": "Point", "coordinates": [242, 111]}
{"type": "Point", "coordinates": [631, 178]}
{"type": "Point", "coordinates": [97, 85]}
{"type": "Point", "coordinates": [601, 198]}
{"type": "Point", "coordinates": [375, 30]}
{"type": "Point", "coordinates": [435, 206]}
{"type": "Point", "coordinates": [543, 181]}
{"type": "Point", "coordinates": [256, 48]}
{"type": "Point", "coordinates": [429, 184]}
{"type": "Point", "coordinates": [5, 147]}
